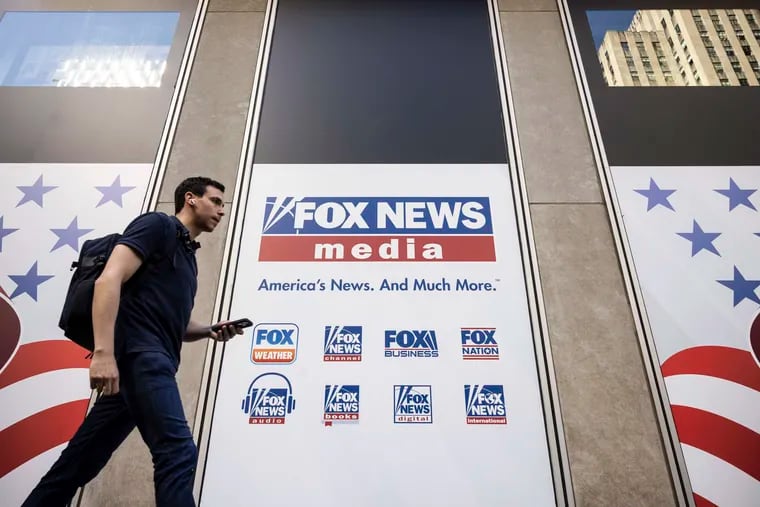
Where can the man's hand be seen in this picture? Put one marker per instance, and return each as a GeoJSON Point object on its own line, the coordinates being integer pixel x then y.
{"type": "Point", "coordinates": [104, 374]}
{"type": "Point", "coordinates": [225, 332]}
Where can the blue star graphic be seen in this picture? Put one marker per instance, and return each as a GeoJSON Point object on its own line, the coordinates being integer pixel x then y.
{"type": "Point", "coordinates": [70, 235]}
{"type": "Point", "coordinates": [737, 196]}
{"type": "Point", "coordinates": [656, 195]}
{"type": "Point", "coordinates": [4, 232]}
{"type": "Point", "coordinates": [743, 289]}
{"type": "Point", "coordinates": [700, 240]}
{"type": "Point", "coordinates": [29, 282]}
{"type": "Point", "coordinates": [34, 192]}
{"type": "Point", "coordinates": [113, 192]}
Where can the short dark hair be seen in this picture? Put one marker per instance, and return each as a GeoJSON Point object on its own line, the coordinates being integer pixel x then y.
{"type": "Point", "coordinates": [196, 185]}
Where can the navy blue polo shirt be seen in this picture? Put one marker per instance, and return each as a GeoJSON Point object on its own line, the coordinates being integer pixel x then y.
{"type": "Point", "coordinates": [156, 302]}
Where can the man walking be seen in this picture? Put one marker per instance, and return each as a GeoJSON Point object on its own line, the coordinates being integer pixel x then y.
{"type": "Point", "coordinates": [140, 319]}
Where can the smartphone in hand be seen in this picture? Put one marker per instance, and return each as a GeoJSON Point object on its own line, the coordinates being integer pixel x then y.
{"type": "Point", "coordinates": [239, 323]}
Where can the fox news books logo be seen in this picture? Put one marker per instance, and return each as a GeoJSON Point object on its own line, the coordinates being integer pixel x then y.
{"type": "Point", "coordinates": [269, 399]}
{"type": "Point", "coordinates": [411, 343]}
{"type": "Point", "coordinates": [274, 343]}
{"type": "Point", "coordinates": [485, 404]}
{"type": "Point", "coordinates": [343, 343]}
{"type": "Point", "coordinates": [380, 229]}
{"type": "Point", "coordinates": [479, 343]}
{"type": "Point", "coordinates": [341, 404]}
{"type": "Point", "coordinates": [412, 404]}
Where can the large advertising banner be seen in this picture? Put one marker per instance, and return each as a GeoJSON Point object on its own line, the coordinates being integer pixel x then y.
{"type": "Point", "coordinates": [46, 212]}
{"type": "Point", "coordinates": [392, 359]}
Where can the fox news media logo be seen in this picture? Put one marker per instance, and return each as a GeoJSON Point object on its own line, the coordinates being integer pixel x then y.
{"type": "Point", "coordinates": [411, 343]}
{"type": "Point", "coordinates": [485, 404]}
{"type": "Point", "coordinates": [343, 343]}
{"type": "Point", "coordinates": [274, 343]}
{"type": "Point", "coordinates": [479, 343]}
{"type": "Point", "coordinates": [380, 229]}
{"type": "Point", "coordinates": [412, 404]}
{"type": "Point", "coordinates": [269, 399]}
{"type": "Point", "coordinates": [341, 404]}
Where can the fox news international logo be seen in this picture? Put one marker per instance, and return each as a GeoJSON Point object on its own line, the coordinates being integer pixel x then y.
{"type": "Point", "coordinates": [274, 343]}
{"type": "Point", "coordinates": [269, 399]}
{"type": "Point", "coordinates": [485, 404]}
{"type": "Point", "coordinates": [412, 404]}
{"type": "Point", "coordinates": [343, 343]}
{"type": "Point", "coordinates": [479, 343]}
{"type": "Point", "coordinates": [341, 404]}
{"type": "Point", "coordinates": [411, 343]}
{"type": "Point", "coordinates": [380, 229]}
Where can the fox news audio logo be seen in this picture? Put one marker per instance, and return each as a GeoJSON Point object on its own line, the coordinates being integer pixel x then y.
{"type": "Point", "coordinates": [274, 343]}
{"type": "Point", "coordinates": [479, 343]}
{"type": "Point", "coordinates": [379, 229]}
{"type": "Point", "coordinates": [411, 343]}
{"type": "Point", "coordinates": [412, 404]}
{"type": "Point", "coordinates": [343, 343]}
{"type": "Point", "coordinates": [269, 399]}
{"type": "Point", "coordinates": [341, 404]}
{"type": "Point", "coordinates": [485, 404]}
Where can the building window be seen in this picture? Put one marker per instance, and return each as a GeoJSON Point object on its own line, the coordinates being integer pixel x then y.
{"type": "Point", "coordinates": [743, 82]}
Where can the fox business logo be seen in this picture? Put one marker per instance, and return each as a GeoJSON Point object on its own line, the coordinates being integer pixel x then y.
{"type": "Point", "coordinates": [479, 343]}
{"type": "Point", "coordinates": [269, 399]}
{"type": "Point", "coordinates": [379, 229]}
{"type": "Point", "coordinates": [411, 343]}
{"type": "Point", "coordinates": [485, 404]}
{"type": "Point", "coordinates": [343, 343]}
{"type": "Point", "coordinates": [274, 344]}
{"type": "Point", "coordinates": [341, 404]}
{"type": "Point", "coordinates": [412, 404]}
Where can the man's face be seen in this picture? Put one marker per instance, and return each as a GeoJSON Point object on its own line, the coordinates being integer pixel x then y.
{"type": "Point", "coordinates": [209, 209]}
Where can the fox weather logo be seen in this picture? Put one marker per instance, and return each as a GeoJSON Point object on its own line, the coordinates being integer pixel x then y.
{"type": "Point", "coordinates": [274, 344]}
{"type": "Point", "coordinates": [341, 404]}
{"type": "Point", "coordinates": [479, 343]}
{"type": "Point", "coordinates": [269, 399]}
{"type": "Point", "coordinates": [411, 343]}
{"type": "Point", "coordinates": [343, 343]}
{"type": "Point", "coordinates": [412, 404]}
{"type": "Point", "coordinates": [485, 404]}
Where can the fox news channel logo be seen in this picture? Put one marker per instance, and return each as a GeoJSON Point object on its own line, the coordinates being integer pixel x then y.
{"type": "Point", "coordinates": [411, 343]}
{"type": "Point", "coordinates": [269, 399]}
{"type": "Point", "coordinates": [379, 229]}
{"type": "Point", "coordinates": [485, 404]}
{"type": "Point", "coordinates": [274, 343]}
{"type": "Point", "coordinates": [341, 404]}
{"type": "Point", "coordinates": [479, 343]}
{"type": "Point", "coordinates": [412, 404]}
{"type": "Point", "coordinates": [343, 343]}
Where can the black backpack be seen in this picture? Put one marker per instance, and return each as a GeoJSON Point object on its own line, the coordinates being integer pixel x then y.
{"type": "Point", "coordinates": [76, 315]}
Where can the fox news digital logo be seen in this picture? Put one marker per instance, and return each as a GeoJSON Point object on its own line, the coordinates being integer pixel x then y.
{"type": "Point", "coordinates": [341, 404]}
{"type": "Point", "coordinates": [343, 343]}
{"type": "Point", "coordinates": [479, 343]}
{"type": "Point", "coordinates": [411, 343]}
{"type": "Point", "coordinates": [412, 404]}
{"type": "Point", "coordinates": [274, 344]}
{"type": "Point", "coordinates": [380, 229]}
{"type": "Point", "coordinates": [485, 404]}
{"type": "Point", "coordinates": [269, 399]}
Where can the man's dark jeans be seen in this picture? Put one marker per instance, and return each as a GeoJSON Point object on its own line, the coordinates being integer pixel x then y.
{"type": "Point", "coordinates": [149, 399]}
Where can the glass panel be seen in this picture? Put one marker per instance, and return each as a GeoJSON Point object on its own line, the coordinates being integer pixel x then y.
{"type": "Point", "coordinates": [85, 49]}
{"type": "Point", "coordinates": [710, 52]}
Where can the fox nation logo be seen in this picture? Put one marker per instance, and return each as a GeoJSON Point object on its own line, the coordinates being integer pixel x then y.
{"type": "Point", "coordinates": [274, 344]}
{"type": "Point", "coordinates": [411, 343]}
{"type": "Point", "coordinates": [479, 343]}
{"type": "Point", "coordinates": [341, 404]}
{"type": "Point", "coordinates": [412, 404]}
{"type": "Point", "coordinates": [269, 399]}
{"type": "Point", "coordinates": [377, 229]}
{"type": "Point", "coordinates": [343, 343]}
{"type": "Point", "coordinates": [485, 404]}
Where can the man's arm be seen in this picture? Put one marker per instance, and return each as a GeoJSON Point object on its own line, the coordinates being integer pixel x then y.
{"type": "Point", "coordinates": [197, 331]}
{"type": "Point", "coordinates": [122, 264]}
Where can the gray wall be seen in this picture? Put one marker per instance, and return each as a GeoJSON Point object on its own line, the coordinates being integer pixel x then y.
{"type": "Point", "coordinates": [615, 451]}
